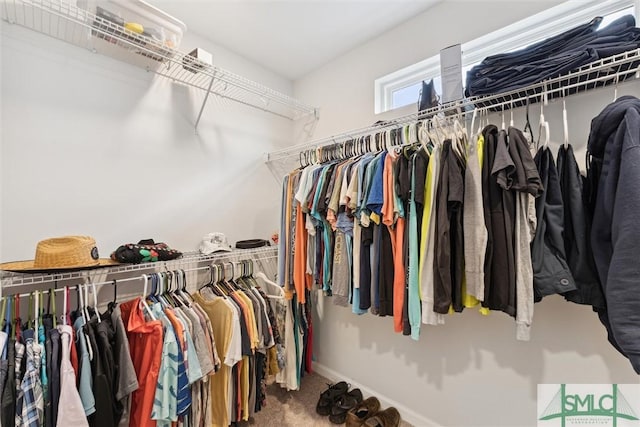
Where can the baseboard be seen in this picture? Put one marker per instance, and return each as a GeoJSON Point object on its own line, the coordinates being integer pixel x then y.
{"type": "Point", "coordinates": [407, 414]}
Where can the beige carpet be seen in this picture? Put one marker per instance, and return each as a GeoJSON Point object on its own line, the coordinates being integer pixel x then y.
{"type": "Point", "coordinates": [295, 408]}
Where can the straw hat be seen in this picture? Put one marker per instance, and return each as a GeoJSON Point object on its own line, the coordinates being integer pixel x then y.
{"type": "Point", "coordinates": [61, 253]}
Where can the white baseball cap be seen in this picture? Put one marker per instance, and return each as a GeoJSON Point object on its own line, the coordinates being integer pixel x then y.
{"type": "Point", "coordinates": [214, 242]}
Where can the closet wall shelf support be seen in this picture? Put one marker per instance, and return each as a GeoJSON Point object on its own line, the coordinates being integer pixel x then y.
{"type": "Point", "coordinates": [204, 102]}
{"type": "Point", "coordinates": [69, 23]}
{"type": "Point", "coordinates": [604, 72]}
{"type": "Point", "coordinates": [11, 280]}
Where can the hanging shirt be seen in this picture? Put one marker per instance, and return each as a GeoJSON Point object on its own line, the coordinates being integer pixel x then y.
{"type": "Point", "coordinates": [85, 385]}
{"type": "Point", "coordinates": [30, 400]}
{"type": "Point", "coordinates": [71, 411]}
{"type": "Point", "coordinates": [145, 342]}
{"type": "Point", "coordinates": [183, 394]}
{"type": "Point", "coordinates": [475, 231]}
{"type": "Point", "coordinates": [221, 316]}
{"type": "Point", "coordinates": [427, 241]}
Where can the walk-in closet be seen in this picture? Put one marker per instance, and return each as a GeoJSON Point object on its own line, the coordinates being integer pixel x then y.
{"type": "Point", "coordinates": [309, 213]}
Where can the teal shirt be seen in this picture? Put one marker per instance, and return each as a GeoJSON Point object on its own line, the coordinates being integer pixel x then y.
{"type": "Point", "coordinates": [165, 403]}
{"type": "Point", "coordinates": [414, 262]}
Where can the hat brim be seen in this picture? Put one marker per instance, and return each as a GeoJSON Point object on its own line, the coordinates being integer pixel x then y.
{"type": "Point", "coordinates": [29, 267]}
{"type": "Point", "coordinates": [210, 251]}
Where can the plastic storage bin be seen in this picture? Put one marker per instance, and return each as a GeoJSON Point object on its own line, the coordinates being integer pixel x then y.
{"type": "Point", "coordinates": [133, 31]}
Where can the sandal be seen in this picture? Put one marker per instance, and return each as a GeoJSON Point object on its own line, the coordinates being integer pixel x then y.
{"type": "Point", "coordinates": [344, 404]}
{"type": "Point", "coordinates": [358, 415]}
{"type": "Point", "coordinates": [329, 396]}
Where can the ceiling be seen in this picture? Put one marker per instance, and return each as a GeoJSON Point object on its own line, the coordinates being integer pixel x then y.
{"type": "Point", "coordinates": [292, 37]}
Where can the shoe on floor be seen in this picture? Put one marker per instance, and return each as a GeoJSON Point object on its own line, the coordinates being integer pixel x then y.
{"type": "Point", "coordinates": [329, 397]}
{"type": "Point", "coordinates": [344, 404]}
{"type": "Point", "coordinates": [390, 417]}
{"type": "Point", "coordinates": [368, 408]}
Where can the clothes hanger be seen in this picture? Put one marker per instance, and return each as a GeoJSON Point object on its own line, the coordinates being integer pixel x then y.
{"type": "Point", "coordinates": [15, 333]}
{"type": "Point", "coordinates": [161, 289]}
{"type": "Point", "coordinates": [143, 300]}
{"type": "Point", "coordinates": [503, 126]}
{"type": "Point", "coordinates": [165, 295]}
{"type": "Point", "coordinates": [544, 125]}
{"type": "Point", "coordinates": [273, 289]}
{"type": "Point", "coordinates": [3, 313]}
{"type": "Point", "coordinates": [527, 125]}
{"type": "Point", "coordinates": [42, 312]}
{"type": "Point", "coordinates": [36, 320]}
{"type": "Point", "coordinates": [565, 121]}
{"type": "Point", "coordinates": [474, 114]}
{"type": "Point", "coordinates": [615, 89]}
{"type": "Point", "coordinates": [85, 316]}
{"type": "Point", "coordinates": [29, 323]}
{"type": "Point", "coordinates": [85, 289]}
{"type": "Point", "coordinates": [112, 304]}
{"type": "Point", "coordinates": [214, 281]}
{"type": "Point", "coordinates": [81, 307]}
{"type": "Point", "coordinates": [460, 142]}
{"type": "Point", "coordinates": [511, 123]}
{"type": "Point", "coordinates": [171, 292]}
{"type": "Point", "coordinates": [181, 284]}
{"type": "Point", "coordinates": [51, 304]}
{"type": "Point", "coordinates": [95, 300]}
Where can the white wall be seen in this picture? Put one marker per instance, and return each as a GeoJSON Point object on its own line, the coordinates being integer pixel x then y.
{"type": "Point", "coordinates": [95, 146]}
{"type": "Point", "coordinates": [471, 371]}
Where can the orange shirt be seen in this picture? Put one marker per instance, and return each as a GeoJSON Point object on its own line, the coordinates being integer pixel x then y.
{"type": "Point", "coordinates": [178, 326]}
{"type": "Point", "coordinates": [145, 345]}
{"type": "Point", "coordinates": [388, 211]}
{"type": "Point", "coordinates": [300, 257]}
{"type": "Point", "coordinates": [398, 273]}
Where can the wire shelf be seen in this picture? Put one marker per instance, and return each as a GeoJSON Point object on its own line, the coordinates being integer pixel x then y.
{"type": "Point", "coordinates": [10, 280]}
{"type": "Point", "coordinates": [604, 72]}
{"type": "Point", "coordinates": [67, 22]}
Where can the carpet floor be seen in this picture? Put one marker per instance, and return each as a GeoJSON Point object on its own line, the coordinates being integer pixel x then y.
{"type": "Point", "coordinates": [295, 408]}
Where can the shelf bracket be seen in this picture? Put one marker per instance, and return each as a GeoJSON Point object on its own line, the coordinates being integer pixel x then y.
{"type": "Point", "coordinates": [204, 102]}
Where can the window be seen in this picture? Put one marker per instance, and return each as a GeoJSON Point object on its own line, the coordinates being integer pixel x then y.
{"type": "Point", "coordinates": [402, 87]}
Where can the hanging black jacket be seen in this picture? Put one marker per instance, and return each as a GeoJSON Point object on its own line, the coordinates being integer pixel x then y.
{"type": "Point", "coordinates": [577, 243]}
{"type": "Point", "coordinates": [614, 147]}
{"type": "Point", "coordinates": [499, 216]}
{"type": "Point", "coordinates": [551, 274]}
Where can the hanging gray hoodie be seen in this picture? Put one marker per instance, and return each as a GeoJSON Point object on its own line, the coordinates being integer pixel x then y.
{"type": "Point", "coordinates": [614, 147]}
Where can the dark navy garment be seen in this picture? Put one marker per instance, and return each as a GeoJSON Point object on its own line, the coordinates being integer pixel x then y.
{"type": "Point", "coordinates": [577, 243]}
{"type": "Point", "coordinates": [8, 405]}
{"type": "Point", "coordinates": [614, 168]}
{"type": "Point", "coordinates": [553, 57]}
{"type": "Point", "coordinates": [54, 378]}
{"type": "Point", "coordinates": [104, 414]}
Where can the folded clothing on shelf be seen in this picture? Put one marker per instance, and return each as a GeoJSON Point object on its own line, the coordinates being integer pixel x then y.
{"type": "Point", "coordinates": [553, 57]}
{"type": "Point", "coordinates": [144, 251]}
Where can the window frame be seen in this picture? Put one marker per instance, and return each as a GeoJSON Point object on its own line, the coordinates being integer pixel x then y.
{"type": "Point", "coordinates": [535, 28]}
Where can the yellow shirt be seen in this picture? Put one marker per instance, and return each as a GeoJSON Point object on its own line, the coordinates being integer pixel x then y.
{"type": "Point", "coordinates": [221, 318]}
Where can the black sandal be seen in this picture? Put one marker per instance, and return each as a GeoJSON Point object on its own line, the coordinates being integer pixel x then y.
{"type": "Point", "coordinates": [344, 404]}
{"type": "Point", "coordinates": [329, 397]}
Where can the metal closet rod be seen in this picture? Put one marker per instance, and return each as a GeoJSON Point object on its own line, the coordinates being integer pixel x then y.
{"type": "Point", "coordinates": [108, 282]}
{"type": "Point", "coordinates": [564, 85]}
{"type": "Point", "coordinates": [117, 281]}
{"type": "Point", "coordinates": [14, 280]}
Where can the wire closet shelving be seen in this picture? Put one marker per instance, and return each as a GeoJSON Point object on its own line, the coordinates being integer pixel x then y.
{"type": "Point", "coordinates": [69, 23]}
{"type": "Point", "coordinates": [604, 72]}
{"type": "Point", "coordinates": [11, 282]}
